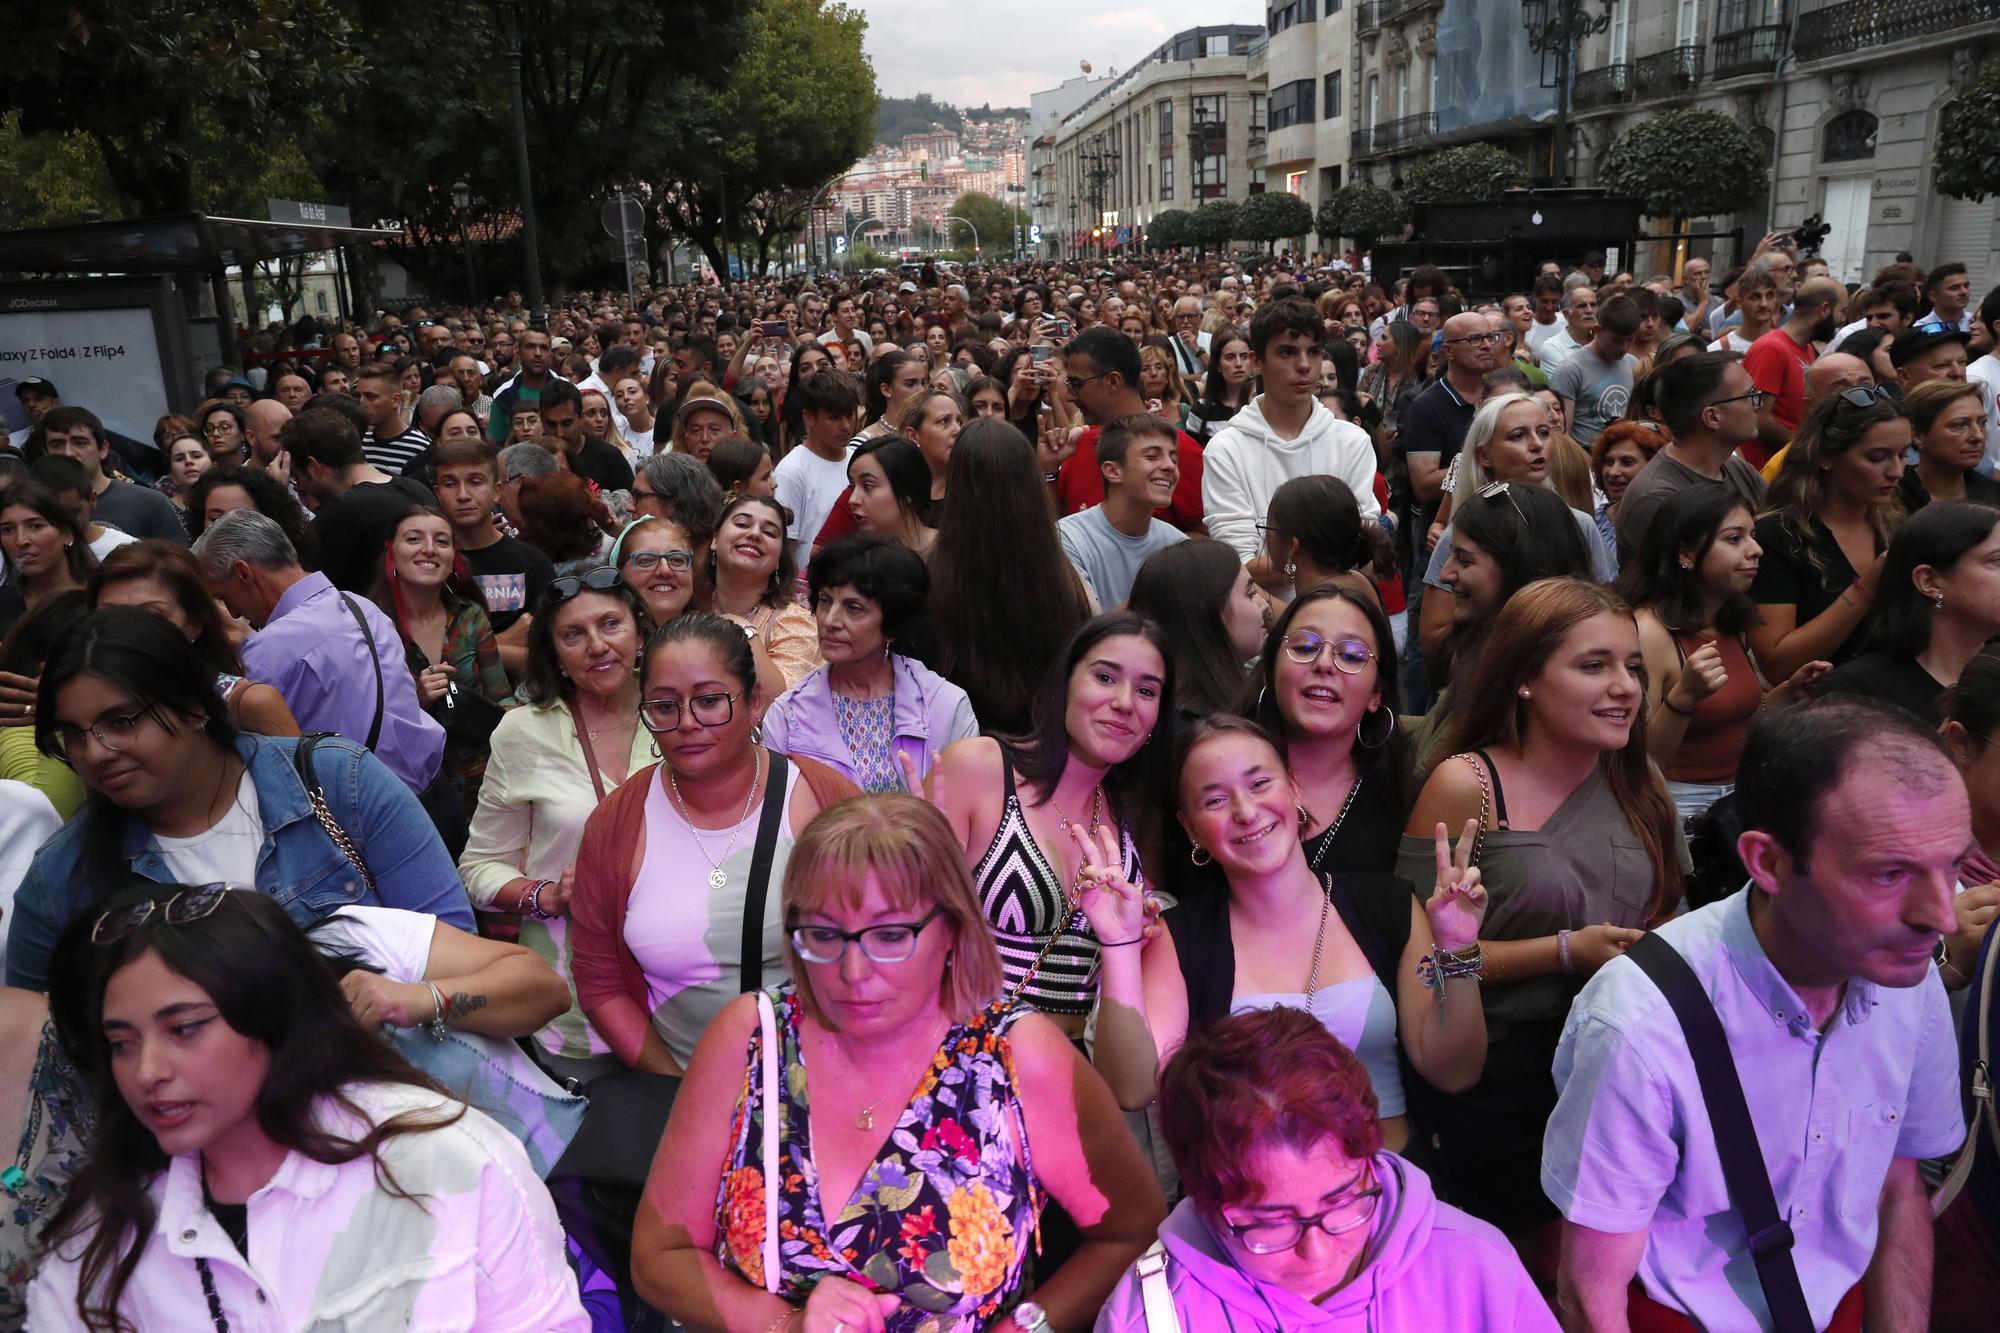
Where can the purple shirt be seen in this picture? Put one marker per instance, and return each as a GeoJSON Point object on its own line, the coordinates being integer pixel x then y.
{"type": "Point", "coordinates": [311, 651]}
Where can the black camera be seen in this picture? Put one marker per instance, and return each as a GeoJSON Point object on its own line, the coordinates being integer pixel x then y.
{"type": "Point", "coordinates": [1809, 235]}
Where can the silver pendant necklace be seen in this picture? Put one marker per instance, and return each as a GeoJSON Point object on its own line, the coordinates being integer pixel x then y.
{"type": "Point", "coordinates": [718, 878]}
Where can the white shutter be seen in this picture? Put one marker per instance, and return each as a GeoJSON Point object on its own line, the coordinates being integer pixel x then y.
{"type": "Point", "coordinates": [1965, 233]}
{"type": "Point", "coordinates": [1846, 212]}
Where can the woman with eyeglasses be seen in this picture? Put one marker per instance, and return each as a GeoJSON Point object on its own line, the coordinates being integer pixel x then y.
{"type": "Point", "coordinates": [1936, 608]}
{"type": "Point", "coordinates": [263, 1158]}
{"type": "Point", "coordinates": [672, 874]}
{"type": "Point", "coordinates": [1359, 952]}
{"type": "Point", "coordinates": [1294, 1215]}
{"type": "Point", "coordinates": [553, 761]}
{"type": "Point", "coordinates": [656, 558]}
{"type": "Point", "coordinates": [1579, 849]}
{"type": "Point", "coordinates": [918, 1124]}
{"type": "Point", "coordinates": [177, 793]}
{"type": "Point", "coordinates": [1825, 530]}
{"type": "Point", "coordinates": [1948, 418]}
{"type": "Point", "coordinates": [873, 713]}
{"type": "Point", "coordinates": [222, 426]}
{"type": "Point", "coordinates": [751, 580]}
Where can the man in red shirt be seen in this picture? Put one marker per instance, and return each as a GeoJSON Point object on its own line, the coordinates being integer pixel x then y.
{"type": "Point", "coordinates": [1103, 369]}
{"type": "Point", "coordinates": [1777, 364]}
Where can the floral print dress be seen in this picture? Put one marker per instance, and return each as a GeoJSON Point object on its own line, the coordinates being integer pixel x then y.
{"type": "Point", "coordinates": [944, 1215]}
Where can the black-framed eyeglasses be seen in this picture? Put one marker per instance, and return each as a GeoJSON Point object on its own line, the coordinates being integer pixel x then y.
{"type": "Point", "coordinates": [647, 561]}
{"type": "Point", "coordinates": [1350, 655]}
{"type": "Point", "coordinates": [890, 942]}
{"type": "Point", "coordinates": [1755, 398]}
{"type": "Point", "coordinates": [1343, 1215]}
{"type": "Point", "coordinates": [708, 710]}
{"type": "Point", "coordinates": [189, 905]}
{"type": "Point", "coordinates": [1076, 384]}
{"type": "Point", "coordinates": [1864, 396]}
{"type": "Point", "coordinates": [1489, 338]}
{"type": "Point", "coordinates": [114, 731]}
{"type": "Point", "coordinates": [601, 579]}
{"type": "Point", "coordinates": [1494, 490]}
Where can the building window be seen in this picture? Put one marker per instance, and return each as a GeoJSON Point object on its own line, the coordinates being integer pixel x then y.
{"type": "Point", "coordinates": [1166, 125]}
{"type": "Point", "coordinates": [1292, 104]}
{"type": "Point", "coordinates": [1259, 112]}
{"type": "Point", "coordinates": [1166, 178]}
{"type": "Point", "coordinates": [1331, 108]}
{"type": "Point", "coordinates": [1279, 17]}
{"type": "Point", "coordinates": [1849, 137]}
{"type": "Point", "coordinates": [1211, 110]}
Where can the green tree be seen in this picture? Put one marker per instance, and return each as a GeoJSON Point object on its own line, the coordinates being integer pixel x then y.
{"type": "Point", "coordinates": [1688, 163]}
{"type": "Point", "coordinates": [1215, 223]}
{"type": "Point", "coordinates": [1170, 229]}
{"type": "Point", "coordinates": [796, 110]}
{"type": "Point", "coordinates": [1365, 212]}
{"type": "Point", "coordinates": [1473, 171]}
{"type": "Point", "coordinates": [1968, 141]}
{"type": "Point", "coordinates": [156, 88]}
{"type": "Point", "coordinates": [1273, 216]}
{"type": "Point", "coordinates": [994, 220]}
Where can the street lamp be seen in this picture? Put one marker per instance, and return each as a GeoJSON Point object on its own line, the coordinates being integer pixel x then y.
{"type": "Point", "coordinates": [953, 217]}
{"type": "Point", "coordinates": [1557, 27]}
{"type": "Point", "coordinates": [853, 231]}
{"type": "Point", "coordinates": [461, 200]}
{"type": "Point", "coordinates": [514, 17]}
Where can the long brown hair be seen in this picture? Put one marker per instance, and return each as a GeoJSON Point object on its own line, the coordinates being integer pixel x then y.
{"type": "Point", "coordinates": [174, 566]}
{"type": "Point", "coordinates": [1528, 632]}
{"type": "Point", "coordinates": [1798, 492]}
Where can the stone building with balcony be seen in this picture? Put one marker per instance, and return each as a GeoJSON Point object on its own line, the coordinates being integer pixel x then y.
{"type": "Point", "coordinates": [1173, 131]}
{"type": "Point", "coordinates": [1299, 142]}
{"type": "Point", "coordinates": [1846, 97]}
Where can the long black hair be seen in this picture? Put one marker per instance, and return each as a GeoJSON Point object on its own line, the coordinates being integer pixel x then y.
{"type": "Point", "coordinates": [269, 984]}
{"type": "Point", "coordinates": [1656, 580]}
{"type": "Point", "coordinates": [1260, 697]}
{"type": "Point", "coordinates": [1531, 535]}
{"type": "Point", "coordinates": [145, 655]}
{"type": "Point", "coordinates": [1182, 588]}
{"type": "Point", "coordinates": [1041, 755]}
{"type": "Point", "coordinates": [1939, 535]}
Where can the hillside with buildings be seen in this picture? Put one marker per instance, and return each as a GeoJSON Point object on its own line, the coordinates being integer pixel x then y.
{"type": "Point", "coordinates": [928, 153]}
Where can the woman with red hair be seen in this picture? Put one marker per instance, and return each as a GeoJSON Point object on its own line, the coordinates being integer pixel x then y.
{"type": "Point", "coordinates": [1294, 1215]}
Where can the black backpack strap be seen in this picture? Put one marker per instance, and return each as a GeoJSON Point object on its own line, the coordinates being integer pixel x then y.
{"type": "Point", "coordinates": [368, 637]}
{"type": "Point", "coordinates": [758, 889]}
{"type": "Point", "coordinates": [1499, 793]}
{"type": "Point", "coordinates": [1743, 1167]}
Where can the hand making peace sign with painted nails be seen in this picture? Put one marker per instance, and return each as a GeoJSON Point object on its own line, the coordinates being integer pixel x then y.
{"type": "Point", "coordinates": [1458, 900]}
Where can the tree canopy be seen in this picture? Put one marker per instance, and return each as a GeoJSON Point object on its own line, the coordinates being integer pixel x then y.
{"type": "Point", "coordinates": [1170, 229]}
{"type": "Point", "coordinates": [1473, 171]}
{"type": "Point", "coordinates": [1273, 216]}
{"type": "Point", "coordinates": [1968, 142]}
{"type": "Point", "coordinates": [1364, 212]}
{"type": "Point", "coordinates": [1214, 223]}
{"type": "Point", "coordinates": [994, 220]}
{"type": "Point", "coordinates": [1688, 163]}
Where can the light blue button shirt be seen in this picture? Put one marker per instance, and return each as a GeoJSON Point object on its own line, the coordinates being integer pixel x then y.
{"type": "Point", "coordinates": [1629, 1146]}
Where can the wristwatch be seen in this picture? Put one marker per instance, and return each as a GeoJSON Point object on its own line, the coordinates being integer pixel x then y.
{"type": "Point", "coordinates": [1032, 1318]}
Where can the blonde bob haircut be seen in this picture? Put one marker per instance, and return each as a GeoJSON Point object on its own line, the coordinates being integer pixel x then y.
{"type": "Point", "coordinates": [910, 849]}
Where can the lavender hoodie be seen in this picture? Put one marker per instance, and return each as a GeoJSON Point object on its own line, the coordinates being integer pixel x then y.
{"type": "Point", "coordinates": [1429, 1267]}
{"type": "Point", "coordinates": [931, 713]}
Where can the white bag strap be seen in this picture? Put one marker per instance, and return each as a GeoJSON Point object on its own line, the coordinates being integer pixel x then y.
{"type": "Point", "coordinates": [767, 1019]}
{"type": "Point", "coordinates": [1984, 1115]}
{"type": "Point", "coordinates": [1159, 1298]}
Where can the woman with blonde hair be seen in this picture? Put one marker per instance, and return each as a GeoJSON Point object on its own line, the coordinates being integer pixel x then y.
{"type": "Point", "coordinates": [600, 422]}
{"type": "Point", "coordinates": [1948, 420]}
{"type": "Point", "coordinates": [1160, 381]}
{"type": "Point", "coordinates": [892, 1030]}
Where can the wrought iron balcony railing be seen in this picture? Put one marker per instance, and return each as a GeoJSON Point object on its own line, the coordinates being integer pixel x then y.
{"type": "Point", "coordinates": [1860, 24]}
{"type": "Point", "coordinates": [1667, 71]}
{"type": "Point", "coordinates": [1749, 50]}
{"type": "Point", "coordinates": [1605, 86]}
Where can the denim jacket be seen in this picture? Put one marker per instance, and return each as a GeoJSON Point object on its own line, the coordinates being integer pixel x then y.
{"type": "Point", "coordinates": [931, 713]}
{"type": "Point", "coordinates": [299, 865]}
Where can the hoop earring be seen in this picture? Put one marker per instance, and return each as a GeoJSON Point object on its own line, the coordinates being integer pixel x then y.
{"type": "Point", "coordinates": [1367, 744]}
{"type": "Point", "coordinates": [1291, 569]}
{"type": "Point", "coordinates": [1199, 856]}
{"type": "Point", "coordinates": [656, 749]}
{"type": "Point", "coordinates": [1305, 817]}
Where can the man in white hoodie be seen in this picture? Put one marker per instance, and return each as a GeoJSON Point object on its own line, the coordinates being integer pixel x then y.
{"type": "Point", "coordinates": [1285, 432]}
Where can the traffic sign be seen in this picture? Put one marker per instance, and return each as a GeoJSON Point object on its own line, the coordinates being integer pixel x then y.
{"type": "Point", "coordinates": [622, 216]}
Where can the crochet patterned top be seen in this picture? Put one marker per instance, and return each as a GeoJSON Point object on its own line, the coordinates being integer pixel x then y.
{"type": "Point", "coordinates": [942, 1217]}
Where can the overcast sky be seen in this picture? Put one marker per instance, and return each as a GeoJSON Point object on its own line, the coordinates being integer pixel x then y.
{"type": "Point", "coordinates": [1000, 51]}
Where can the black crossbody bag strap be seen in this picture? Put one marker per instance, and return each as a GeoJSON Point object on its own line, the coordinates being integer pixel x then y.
{"type": "Point", "coordinates": [759, 887]}
{"type": "Point", "coordinates": [1743, 1167]}
{"type": "Point", "coordinates": [368, 637]}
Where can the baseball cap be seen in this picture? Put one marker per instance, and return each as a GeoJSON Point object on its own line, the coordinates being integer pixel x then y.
{"type": "Point", "coordinates": [694, 405]}
{"type": "Point", "coordinates": [238, 382]}
{"type": "Point", "coordinates": [1909, 346]}
{"type": "Point", "coordinates": [38, 384]}
{"type": "Point", "coordinates": [907, 287]}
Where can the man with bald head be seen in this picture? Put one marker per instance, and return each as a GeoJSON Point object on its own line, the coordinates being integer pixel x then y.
{"type": "Point", "coordinates": [1434, 424]}
{"type": "Point", "coordinates": [1836, 371]}
{"type": "Point", "coordinates": [292, 389]}
{"type": "Point", "coordinates": [263, 420]}
{"type": "Point", "coordinates": [1778, 361]}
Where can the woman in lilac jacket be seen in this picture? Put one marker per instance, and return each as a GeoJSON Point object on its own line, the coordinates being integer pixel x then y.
{"type": "Point", "coordinates": [1295, 1218]}
{"type": "Point", "coordinates": [870, 712]}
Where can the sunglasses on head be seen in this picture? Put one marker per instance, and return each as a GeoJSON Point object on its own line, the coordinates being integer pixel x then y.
{"type": "Point", "coordinates": [1864, 397]}
{"type": "Point", "coordinates": [185, 907]}
{"type": "Point", "coordinates": [601, 579]}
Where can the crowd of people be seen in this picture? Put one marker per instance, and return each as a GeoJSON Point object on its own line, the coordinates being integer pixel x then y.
{"type": "Point", "coordinates": [1159, 794]}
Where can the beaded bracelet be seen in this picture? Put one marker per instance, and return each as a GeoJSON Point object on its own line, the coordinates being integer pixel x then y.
{"type": "Point", "coordinates": [534, 900]}
{"type": "Point", "coordinates": [1562, 953]}
{"type": "Point", "coordinates": [1437, 967]}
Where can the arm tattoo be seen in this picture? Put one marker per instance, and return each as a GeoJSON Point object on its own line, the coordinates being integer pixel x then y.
{"type": "Point", "coordinates": [463, 1004]}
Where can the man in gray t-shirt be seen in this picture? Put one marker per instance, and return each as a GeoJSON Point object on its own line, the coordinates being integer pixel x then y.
{"type": "Point", "coordinates": [1596, 383]}
{"type": "Point", "coordinates": [1140, 460]}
